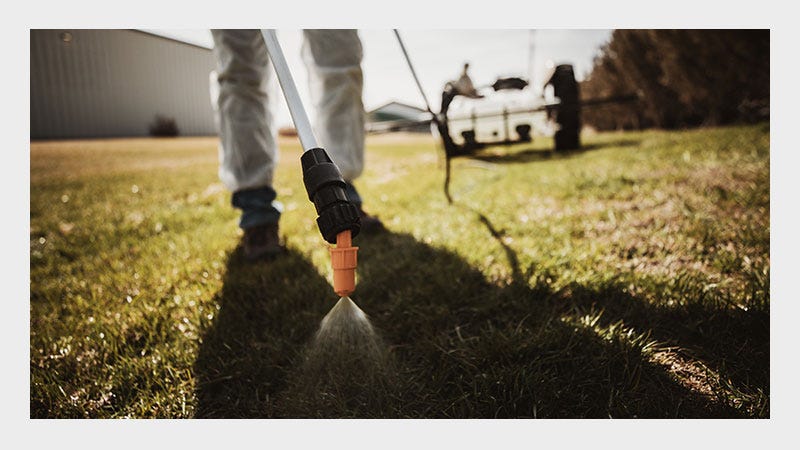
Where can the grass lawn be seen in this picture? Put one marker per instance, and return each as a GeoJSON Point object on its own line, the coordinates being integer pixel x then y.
{"type": "Point", "coordinates": [630, 279]}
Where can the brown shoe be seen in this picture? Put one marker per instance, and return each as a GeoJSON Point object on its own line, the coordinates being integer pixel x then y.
{"type": "Point", "coordinates": [370, 224]}
{"type": "Point", "coordinates": [261, 241]}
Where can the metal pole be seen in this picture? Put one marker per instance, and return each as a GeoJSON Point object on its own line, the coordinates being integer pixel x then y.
{"type": "Point", "coordinates": [299, 117]}
{"type": "Point", "coordinates": [474, 120]}
{"type": "Point", "coordinates": [531, 54]}
{"type": "Point", "coordinates": [505, 123]}
{"type": "Point", "coordinates": [414, 74]}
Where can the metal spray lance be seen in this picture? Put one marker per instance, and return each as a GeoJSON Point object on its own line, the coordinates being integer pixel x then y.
{"type": "Point", "coordinates": [338, 218]}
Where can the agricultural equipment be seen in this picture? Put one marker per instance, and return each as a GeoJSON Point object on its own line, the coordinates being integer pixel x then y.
{"type": "Point", "coordinates": [565, 113]}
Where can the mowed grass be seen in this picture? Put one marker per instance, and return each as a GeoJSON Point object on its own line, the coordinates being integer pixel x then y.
{"type": "Point", "coordinates": [630, 279]}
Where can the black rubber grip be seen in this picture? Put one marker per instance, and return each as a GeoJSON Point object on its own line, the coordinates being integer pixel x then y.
{"type": "Point", "coordinates": [337, 218]}
{"type": "Point", "coordinates": [326, 189]}
{"type": "Point", "coordinates": [320, 174]}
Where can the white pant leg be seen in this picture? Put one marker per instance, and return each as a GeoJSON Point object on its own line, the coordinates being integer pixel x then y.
{"type": "Point", "coordinates": [333, 59]}
{"type": "Point", "coordinates": [248, 150]}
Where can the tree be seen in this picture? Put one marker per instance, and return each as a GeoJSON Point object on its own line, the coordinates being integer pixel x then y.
{"type": "Point", "coordinates": [683, 78]}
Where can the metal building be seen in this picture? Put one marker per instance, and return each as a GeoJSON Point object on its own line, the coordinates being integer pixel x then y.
{"type": "Point", "coordinates": [378, 118]}
{"type": "Point", "coordinates": [109, 83]}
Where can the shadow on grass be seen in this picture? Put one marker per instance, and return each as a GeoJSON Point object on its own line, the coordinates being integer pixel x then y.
{"type": "Point", "coordinates": [533, 155]}
{"type": "Point", "coordinates": [731, 341]}
{"type": "Point", "coordinates": [462, 347]}
{"type": "Point", "coordinates": [268, 312]}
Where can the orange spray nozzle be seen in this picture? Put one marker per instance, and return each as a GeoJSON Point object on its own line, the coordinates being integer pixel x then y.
{"type": "Point", "coordinates": [344, 260]}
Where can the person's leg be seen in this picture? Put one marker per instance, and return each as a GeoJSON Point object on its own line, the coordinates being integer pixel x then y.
{"type": "Point", "coordinates": [333, 59]}
{"type": "Point", "coordinates": [248, 150]}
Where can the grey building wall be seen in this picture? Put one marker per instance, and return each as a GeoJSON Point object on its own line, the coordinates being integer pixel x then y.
{"type": "Point", "coordinates": [106, 83]}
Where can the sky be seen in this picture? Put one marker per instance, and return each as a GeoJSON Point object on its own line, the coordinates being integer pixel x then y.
{"type": "Point", "coordinates": [438, 56]}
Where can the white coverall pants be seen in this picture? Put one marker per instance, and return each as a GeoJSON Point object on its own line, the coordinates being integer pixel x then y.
{"type": "Point", "coordinates": [248, 150]}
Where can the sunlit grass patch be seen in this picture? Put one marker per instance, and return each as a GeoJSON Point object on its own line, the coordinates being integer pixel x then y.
{"type": "Point", "coordinates": [630, 279]}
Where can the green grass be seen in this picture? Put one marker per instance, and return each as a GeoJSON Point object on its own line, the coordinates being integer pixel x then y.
{"type": "Point", "coordinates": [627, 280]}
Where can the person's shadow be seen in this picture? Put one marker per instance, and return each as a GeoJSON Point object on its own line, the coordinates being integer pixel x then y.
{"type": "Point", "coordinates": [268, 311]}
{"type": "Point", "coordinates": [463, 347]}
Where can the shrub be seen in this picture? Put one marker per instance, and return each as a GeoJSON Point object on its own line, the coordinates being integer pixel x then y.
{"type": "Point", "coordinates": [163, 126]}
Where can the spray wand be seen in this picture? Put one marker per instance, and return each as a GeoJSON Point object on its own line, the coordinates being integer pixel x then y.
{"type": "Point", "coordinates": [338, 218]}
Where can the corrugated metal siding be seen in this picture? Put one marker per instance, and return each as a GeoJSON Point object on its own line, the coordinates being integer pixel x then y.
{"type": "Point", "coordinates": [107, 83]}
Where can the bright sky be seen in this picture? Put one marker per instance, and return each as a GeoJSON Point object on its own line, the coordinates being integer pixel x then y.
{"type": "Point", "coordinates": [438, 56]}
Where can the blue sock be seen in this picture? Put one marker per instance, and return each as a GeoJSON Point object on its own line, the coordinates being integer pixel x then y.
{"type": "Point", "coordinates": [258, 206]}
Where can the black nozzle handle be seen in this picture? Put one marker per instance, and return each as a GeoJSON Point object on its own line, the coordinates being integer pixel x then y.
{"type": "Point", "coordinates": [326, 188]}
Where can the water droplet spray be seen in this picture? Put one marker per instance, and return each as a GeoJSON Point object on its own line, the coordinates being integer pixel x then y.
{"type": "Point", "coordinates": [345, 331]}
{"type": "Point", "coordinates": [346, 369]}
